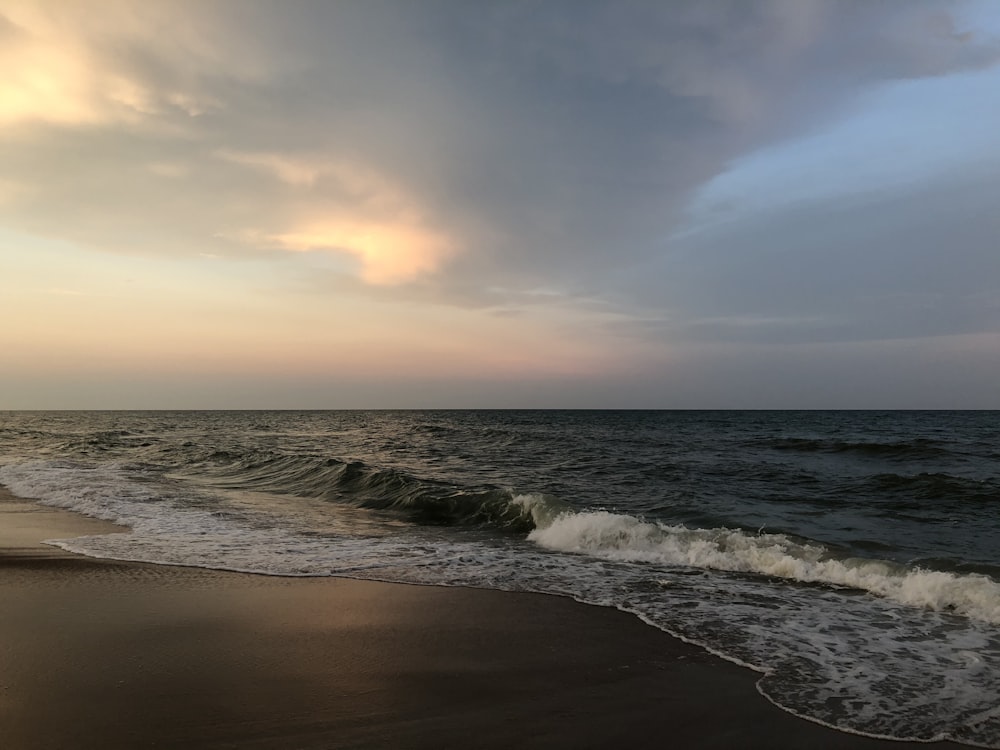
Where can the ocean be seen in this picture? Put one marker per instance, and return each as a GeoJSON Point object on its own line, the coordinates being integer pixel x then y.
{"type": "Point", "coordinates": [852, 558]}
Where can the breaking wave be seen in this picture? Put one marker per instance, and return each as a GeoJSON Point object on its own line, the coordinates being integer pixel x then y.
{"type": "Point", "coordinates": [418, 500]}
{"type": "Point", "coordinates": [627, 538]}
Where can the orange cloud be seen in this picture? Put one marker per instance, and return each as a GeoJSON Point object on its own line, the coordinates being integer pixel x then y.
{"type": "Point", "coordinates": [46, 74]}
{"type": "Point", "coordinates": [374, 217]}
{"type": "Point", "coordinates": [389, 254]}
{"type": "Point", "coordinates": [54, 70]}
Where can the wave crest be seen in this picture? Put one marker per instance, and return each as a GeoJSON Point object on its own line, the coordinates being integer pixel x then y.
{"type": "Point", "coordinates": [358, 484]}
{"type": "Point", "coordinates": [627, 538]}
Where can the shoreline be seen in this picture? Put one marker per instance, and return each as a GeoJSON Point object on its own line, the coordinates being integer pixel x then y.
{"type": "Point", "coordinates": [107, 654]}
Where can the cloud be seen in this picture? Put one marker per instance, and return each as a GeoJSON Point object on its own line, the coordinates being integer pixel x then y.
{"type": "Point", "coordinates": [46, 76]}
{"type": "Point", "coordinates": [288, 169]}
{"type": "Point", "coordinates": [60, 67]}
{"type": "Point", "coordinates": [388, 254]}
{"type": "Point", "coordinates": [463, 150]}
{"type": "Point", "coordinates": [910, 263]}
{"type": "Point", "coordinates": [360, 213]}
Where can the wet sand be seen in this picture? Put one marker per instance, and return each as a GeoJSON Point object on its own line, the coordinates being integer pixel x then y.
{"type": "Point", "coordinates": [100, 654]}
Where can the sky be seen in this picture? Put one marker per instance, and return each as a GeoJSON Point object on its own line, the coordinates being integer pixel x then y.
{"type": "Point", "coordinates": [500, 204]}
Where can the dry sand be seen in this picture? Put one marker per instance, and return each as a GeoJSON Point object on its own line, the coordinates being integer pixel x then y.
{"type": "Point", "coordinates": [98, 654]}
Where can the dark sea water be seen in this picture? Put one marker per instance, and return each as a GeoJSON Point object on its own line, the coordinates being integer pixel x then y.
{"type": "Point", "coordinates": [853, 558]}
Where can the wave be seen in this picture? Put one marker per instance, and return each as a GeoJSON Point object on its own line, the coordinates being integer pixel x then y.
{"type": "Point", "coordinates": [555, 525]}
{"type": "Point", "coordinates": [936, 486]}
{"type": "Point", "coordinates": [355, 483]}
{"type": "Point", "coordinates": [918, 448]}
{"type": "Point", "coordinates": [627, 538]}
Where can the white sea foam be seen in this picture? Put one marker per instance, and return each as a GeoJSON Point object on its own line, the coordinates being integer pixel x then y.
{"type": "Point", "coordinates": [627, 538]}
{"type": "Point", "coordinates": [543, 509]}
{"type": "Point", "coordinates": [168, 526]}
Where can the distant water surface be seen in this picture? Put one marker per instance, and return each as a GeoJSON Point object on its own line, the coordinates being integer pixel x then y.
{"type": "Point", "coordinates": [851, 557]}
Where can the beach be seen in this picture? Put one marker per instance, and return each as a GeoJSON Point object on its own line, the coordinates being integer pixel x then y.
{"type": "Point", "coordinates": [102, 654]}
